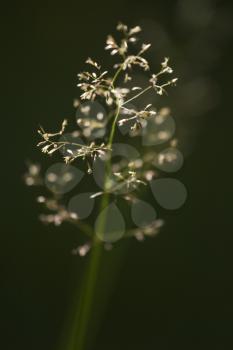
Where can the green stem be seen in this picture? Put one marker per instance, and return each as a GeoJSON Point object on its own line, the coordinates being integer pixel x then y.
{"type": "Point", "coordinates": [87, 296]}
{"type": "Point", "coordinates": [81, 323]}
{"type": "Point", "coordinates": [117, 73]}
{"type": "Point", "coordinates": [113, 129]}
{"type": "Point", "coordinates": [136, 96]}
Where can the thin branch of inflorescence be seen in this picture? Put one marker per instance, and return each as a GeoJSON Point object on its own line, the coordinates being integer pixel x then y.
{"type": "Point", "coordinates": [97, 83]}
{"type": "Point", "coordinates": [120, 177]}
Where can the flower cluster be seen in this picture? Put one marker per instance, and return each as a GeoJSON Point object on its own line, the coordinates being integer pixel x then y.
{"type": "Point", "coordinates": [32, 177]}
{"type": "Point", "coordinates": [78, 150]}
{"type": "Point", "coordinates": [100, 84]}
{"type": "Point", "coordinates": [136, 116]}
{"type": "Point", "coordinates": [148, 231]}
{"type": "Point", "coordinates": [93, 83]}
{"type": "Point", "coordinates": [122, 177]}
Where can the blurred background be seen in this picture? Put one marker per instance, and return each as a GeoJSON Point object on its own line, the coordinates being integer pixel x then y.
{"type": "Point", "coordinates": [173, 291]}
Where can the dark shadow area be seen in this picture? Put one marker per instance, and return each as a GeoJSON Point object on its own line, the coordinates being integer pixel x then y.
{"type": "Point", "coordinates": [172, 291]}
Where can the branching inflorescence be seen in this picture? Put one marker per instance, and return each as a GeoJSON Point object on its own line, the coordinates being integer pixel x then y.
{"type": "Point", "coordinates": [92, 139]}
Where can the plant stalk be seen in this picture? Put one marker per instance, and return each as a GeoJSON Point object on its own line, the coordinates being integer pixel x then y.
{"type": "Point", "coordinates": [81, 324]}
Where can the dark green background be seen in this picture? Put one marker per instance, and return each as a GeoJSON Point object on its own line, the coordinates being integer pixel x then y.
{"type": "Point", "coordinates": [172, 292]}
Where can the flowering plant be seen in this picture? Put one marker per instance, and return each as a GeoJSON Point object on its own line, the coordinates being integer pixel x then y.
{"type": "Point", "coordinates": [108, 105]}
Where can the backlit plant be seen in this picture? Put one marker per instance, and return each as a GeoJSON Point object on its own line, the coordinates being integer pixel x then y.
{"type": "Point", "coordinates": [117, 171]}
